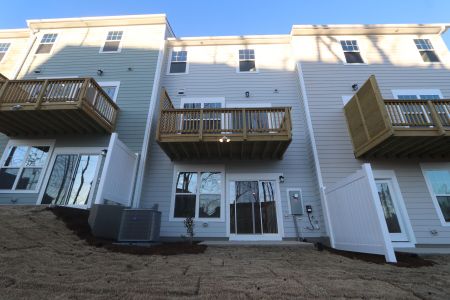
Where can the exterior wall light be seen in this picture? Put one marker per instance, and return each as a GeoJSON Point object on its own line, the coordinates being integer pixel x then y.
{"type": "Point", "coordinates": [355, 87]}
{"type": "Point", "coordinates": [99, 72]}
{"type": "Point", "coordinates": [104, 152]}
{"type": "Point", "coordinates": [281, 178]}
{"type": "Point", "coordinates": [247, 94]}
{"type": "Point", "coordinates": [224, 139]}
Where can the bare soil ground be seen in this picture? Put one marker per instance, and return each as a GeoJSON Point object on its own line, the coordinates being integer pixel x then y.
{"type": "Point", "coordinates": [40, 258]}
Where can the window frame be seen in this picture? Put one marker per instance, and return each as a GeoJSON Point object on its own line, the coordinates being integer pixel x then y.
{"type": "Point", "coordinates": [7, 51]}
{"type": "Point", "coordinates": [53, 44]}
{"type": "Point", "coordinates": [29, 143]}
{"type": "Point", "coordinates": [111, 83]}
{"type": "Point", "coordinates": [420, 50]}
{"type": "Point", "coordinates": [169, 60]}
{"type": "Point", "coordinates": [119, 49]}
{"type": "Point", "coordinates": [238, 70]}
{"type": "Point", "coordinates": [358, 44]}
{"type": "Point", "coordinates": [198, 169]}
{"type": "Point", "coordinates": [435, 167]}
{"type": "Point", "coordinates": [416, 92]}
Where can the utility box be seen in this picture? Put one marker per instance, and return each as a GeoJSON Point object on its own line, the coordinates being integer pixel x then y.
{"type": "Point", "coordinates": [140, 225]}
{"type": "Point", "coordinates": [295, 201]}
{"type": "Point", "coordinates": [104, 220]}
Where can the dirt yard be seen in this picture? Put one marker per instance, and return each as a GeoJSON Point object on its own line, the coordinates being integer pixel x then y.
{"type": "Point", "coordinates": [41, 259]}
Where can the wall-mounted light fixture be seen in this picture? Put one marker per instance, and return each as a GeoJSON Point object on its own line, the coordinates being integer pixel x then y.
{"type": "Point", "coordinates": [224, 139]}
{"type": "Point", "coordinates": [104, 152]}
{"type": "Point", "coordinates": [247, 94]}
{"type": "Point", "coordinates": [99, 72]}
{"type": "Point", "coordinates": [281, 178]}
{"type": "Point", "coordinates": [37, 71]}
{"type": "Point", "coordinates": [355, 87]}
{"type": "Point", "coordinates": [130, 69]}
{"type": "Point", "coordinates": [275, 91]}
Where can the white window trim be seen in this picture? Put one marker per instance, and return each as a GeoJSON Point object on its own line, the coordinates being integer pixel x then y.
{"type": "Point", "coordinates": [390, 175]}
{"type": "Point", "coordinates": [198, 168]}
{"type": "Point", "coordinates": [119, 49]}
{"type": "Point", "coordinates": [12, 142]}
{"type": "Point", "coordinates": [437, 167]}
{"type": "Point", "coordinates": [72, 150]}
{"type": "Point", "coordinates": [202, 100]}
{"type": "Point", "coordinates": [344, 61]}
{"type": "Point", "coordinates": [111, 83]}
{"type": "Point", "coordinates": [58, 34]}
{"type": "Point", "coordinates": [169, 60]}
{"type": "Point", "coordinates": [57, 77]}
{"type": "Point", "coordinates": [247, 72]}
{"type": "Point", "coordinates": [7, 51]}
{"type": "Point", "coordinates": [416, 92]}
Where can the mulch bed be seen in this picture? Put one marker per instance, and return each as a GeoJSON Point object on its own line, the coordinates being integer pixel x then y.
{"type": "Point", "coordinates": [404, 260]}
{"type": "Point", "coordinates": [77, 221]}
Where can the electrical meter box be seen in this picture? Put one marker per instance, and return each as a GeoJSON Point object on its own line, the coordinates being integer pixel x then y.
{"type": "Point", "coordinates": [296, 201]}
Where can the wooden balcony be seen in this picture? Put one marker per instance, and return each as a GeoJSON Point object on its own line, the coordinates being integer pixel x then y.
{"type": "Point", "coordinates": [55, 106]}
{"type": "Point", "coordinates": [223, 133]}
{"type": "Point", "coordinates": [397, 128]}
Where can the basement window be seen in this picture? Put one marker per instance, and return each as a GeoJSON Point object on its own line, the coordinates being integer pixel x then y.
{"type": "Point", "coordinates": [247, 61]}
{"type": "Point", "coordinates": [198, 195]}
{"type": "Point", "coordinates": [46, 44]}
{"type": "Point", "coordinates": [113, 42]}
{"type": "Point", "coordinates": [351, 52]}
{"type": "Point", "coordinates": [426, 50]}
{"type": "Point", "coordinates": [3, 49]}
{"type": "Point", "coordinates": [178, 62]}
{"type": "Point", "coordinates": [22, 167]}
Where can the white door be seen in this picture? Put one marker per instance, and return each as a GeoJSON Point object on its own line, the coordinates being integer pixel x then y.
{"type": "Point", "coordinates": [392, 210]}
{"type": "Point", "coordinates": [254, 210]}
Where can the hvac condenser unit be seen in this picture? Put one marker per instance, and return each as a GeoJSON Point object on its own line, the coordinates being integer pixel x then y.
{"type": "Point", "coordinates": [140, 225]}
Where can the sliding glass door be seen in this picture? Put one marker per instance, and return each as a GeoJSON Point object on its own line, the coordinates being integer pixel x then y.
{"type": "Point", "coordinates": [72, 180]}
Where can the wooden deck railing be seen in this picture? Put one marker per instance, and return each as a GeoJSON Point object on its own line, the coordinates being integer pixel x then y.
{"type": "Point", "coordinates": [231, 122]}
{"type": "Point", "coordinates": [50, 93]}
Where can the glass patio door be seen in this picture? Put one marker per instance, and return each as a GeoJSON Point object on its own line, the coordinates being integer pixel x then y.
{"type": "Point", "coordinates": [72, 180]}
{"type": "Point", "coordinates": [391, 210]}
{"type": "Point", "coordinates": [253, 208]}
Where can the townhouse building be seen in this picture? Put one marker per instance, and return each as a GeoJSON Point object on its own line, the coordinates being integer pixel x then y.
{"type": "Point", "coordinates": [336, 133]}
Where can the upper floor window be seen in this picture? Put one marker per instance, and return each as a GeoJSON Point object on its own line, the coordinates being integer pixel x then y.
{"type": "Point", "coordinates": [247, 61]}
{"type": "Point", "coordinates": [46, 44]}
{"type": "Point", "coordinates": [178, 62]}
{"type": "Point", "coordinates": [112, 43]}
{"type": "Point", "coordinates": [22, 166]}
{"type": "Point", "coordinates": [351, 52]}
{"type": "Point", "coordinates": [3, 49]}
{"type": "Point", "coordinates": [426, 50]}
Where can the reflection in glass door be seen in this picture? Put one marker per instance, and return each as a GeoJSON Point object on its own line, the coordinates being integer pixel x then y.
{"type": "Point", "coordinates": [252, 207]}
{"type": "Point", "coordinates": [72, 179]}
{"type": "Point", "coordinates": [391, 210]}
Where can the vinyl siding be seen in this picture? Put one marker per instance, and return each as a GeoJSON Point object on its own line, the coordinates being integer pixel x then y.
{"type": "Point", "coordinates": [396, 63]}
{"type": "Point", "coordinates": [212, 73]}
{"type": "Point", "coordinates": [13, 56]}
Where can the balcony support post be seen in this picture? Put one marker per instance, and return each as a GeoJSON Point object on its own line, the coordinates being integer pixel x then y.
{"type": "Point", "coordinates": [40, 97]}
{"type": "Point", "coordinates": [434, 115]}
{"type": "Point", "coordinates": [3, 89]}
{"type": "Point", "coordinates": [83, 91]}
{"type": "Point", "coordinates": [244, 124]}
{"type": "Point", "coordinates": [200, 131]}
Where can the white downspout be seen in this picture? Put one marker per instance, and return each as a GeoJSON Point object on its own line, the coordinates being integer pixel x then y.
{"type": "Point", "coordinates": [27, 53]}
{"type": "Point", "coordinates": [315, 154]}
{"type": "Point", "coordinates": [146, 141]}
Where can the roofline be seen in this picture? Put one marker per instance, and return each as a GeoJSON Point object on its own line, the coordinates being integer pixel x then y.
{"type": "Point", "coordinates": [355, 29]}
{"type": "Point", "coordinates": [230, 40]}
{"type": "Point", "coordinates": [123, 20]}
{"type": "Point", "coordinates": [14, 33]}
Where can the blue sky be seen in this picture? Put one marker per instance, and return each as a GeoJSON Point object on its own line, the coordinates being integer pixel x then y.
{"type": "Point", "coordinates": [234, 17]}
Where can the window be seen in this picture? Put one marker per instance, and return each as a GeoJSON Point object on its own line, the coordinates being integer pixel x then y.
{"type": "Point", "coordinates": [412, 112]}
{"type": "Point", "coordinates": [426, 50]}
{"type": "Point", "coordinates": [198, 195]}
{"type": "Point", "coordinates": [438, 181]}
{"type": "Point", "coordinates": [22, 167]}
{"type": "Point", "coordinates": [111, 88]}
{"type": "Point", "coordinates": [247, 62]}
{"type": "Point", "coordinates": [112, 43]}
{"type": "Point", "coordinates": [178, 62]}
{"type": "Point", "coordinates": [212, 121]}
{"type": "Point", "coordinates": [351, 52]}
{"type": "Point", "coordinates": [46, 44]}
{"type": "Point", "coordinates": [3, 49]}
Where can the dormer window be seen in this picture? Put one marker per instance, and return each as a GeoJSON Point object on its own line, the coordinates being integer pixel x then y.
{"type": "Point", "coordinates": [3, 49]}
{"type": "Point", "coordinates": [46, 44]}
{"type": "Point", "coordinates": [247, 61]}
{"type": "Point", "coordinates": [113, 42]}
{"type": "Point", "coordinates": [426, 50]}
{"type": "Point", "coordinates": [351, 52]}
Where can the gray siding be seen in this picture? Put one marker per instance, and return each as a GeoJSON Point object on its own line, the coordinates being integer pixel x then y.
{"type": "Point", "coordinates": [212, 73]}
{"type": "Point", "coordinates": [395, 62]}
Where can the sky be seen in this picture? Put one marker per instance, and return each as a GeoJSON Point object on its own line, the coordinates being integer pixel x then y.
{"type": "Point", "coordinates": [235, 17]}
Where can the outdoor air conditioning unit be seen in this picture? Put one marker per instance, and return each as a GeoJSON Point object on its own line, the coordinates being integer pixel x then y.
{"type": "Point", "coordinates": [140, 225]}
